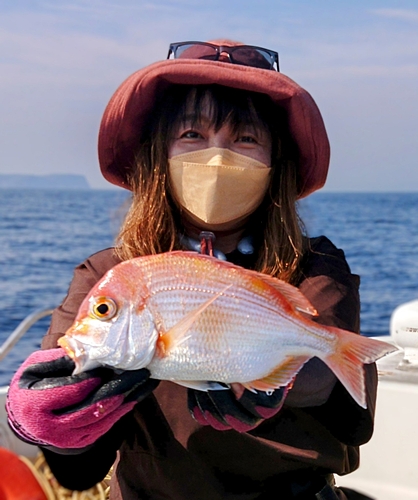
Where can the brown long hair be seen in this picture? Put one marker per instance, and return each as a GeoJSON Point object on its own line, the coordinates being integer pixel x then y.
{"type": "Point", "coordinates": [153, 223]}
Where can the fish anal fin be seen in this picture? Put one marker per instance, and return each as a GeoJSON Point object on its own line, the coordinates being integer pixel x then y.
{"type": "Point", "coordinates": [281, 376]}
{"type": "Point", "coordinates": [177, 334]}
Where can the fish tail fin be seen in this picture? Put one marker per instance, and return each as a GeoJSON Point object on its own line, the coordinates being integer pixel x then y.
{"type": "Point", "coordinates": [351, 354]}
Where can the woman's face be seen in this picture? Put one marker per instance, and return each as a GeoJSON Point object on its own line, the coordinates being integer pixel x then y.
{"type": "Point", "coordinates": [252, 141]}
{"type": "Point", "coordinates": [197, 131]}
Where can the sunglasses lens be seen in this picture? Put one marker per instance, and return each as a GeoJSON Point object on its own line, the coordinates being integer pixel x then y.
{"type": "Point", "coordinates": [245, 55]}
{"type": "Point", "coordinates": [195, 51]}
{"type": "Point", "coordinates": [250, 56]}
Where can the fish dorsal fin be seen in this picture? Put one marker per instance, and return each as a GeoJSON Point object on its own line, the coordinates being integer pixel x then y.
{"type": "Point", "coordinates": [281, 376]}
{"type": "Point", "coordinates": [291, 293]}
{"type": "Point", "coordinates": [177, 334]}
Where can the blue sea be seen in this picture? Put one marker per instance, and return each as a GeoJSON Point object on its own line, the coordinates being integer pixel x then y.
{"type": "Point", "coordinates": [45, 234]}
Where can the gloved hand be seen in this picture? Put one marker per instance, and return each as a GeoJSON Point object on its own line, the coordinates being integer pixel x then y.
{"type": "Point", "coordinates": [224, 410]}
{"type": "Point", "coordinates": [48, 406]}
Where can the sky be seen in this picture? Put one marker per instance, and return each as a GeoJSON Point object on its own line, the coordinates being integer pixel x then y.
{"type": "Point", "coordinates": [61, 61]}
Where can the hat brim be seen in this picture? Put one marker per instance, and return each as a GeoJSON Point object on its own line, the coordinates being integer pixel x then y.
{"type": "Point", "coordinates": [135, 99]}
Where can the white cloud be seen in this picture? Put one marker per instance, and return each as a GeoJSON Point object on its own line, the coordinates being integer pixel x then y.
{"type": "Point", "coordinates": [398, 14]}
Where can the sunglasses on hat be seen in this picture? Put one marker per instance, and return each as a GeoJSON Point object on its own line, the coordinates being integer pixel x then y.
{"type": "Point", "coordinates": [246, 55]}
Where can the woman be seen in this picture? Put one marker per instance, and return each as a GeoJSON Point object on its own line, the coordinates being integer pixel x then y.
{"type": "Point", "coordinates": [217, 146]}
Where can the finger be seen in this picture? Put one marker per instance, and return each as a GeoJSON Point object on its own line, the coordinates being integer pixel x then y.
{"type": "Point", "coordinates": [238, 417]}
{"type": "Point", "coordinates": [40, 373]}
{"type": "Point", "coordinates": [116, 387]}
{"type": "Point", "coordinates": [122, 383]}
{"type": "Point", "coordinates": [211, 415]}
{"type": "Point", "coordinates": [263, 404]}
{"type": "Point", "coordinates": [142, 390]}
{"type": "Point", "coordinates": [194, 408]}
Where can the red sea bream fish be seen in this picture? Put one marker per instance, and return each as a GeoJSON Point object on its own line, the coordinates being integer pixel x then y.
{"type": "Point", "coordinates": [199, 321]}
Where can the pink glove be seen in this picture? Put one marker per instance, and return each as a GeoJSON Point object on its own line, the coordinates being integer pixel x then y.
{"type": "Point", "coordinates": [47, 406]}
{"type": "Point", "coordinates": [224, 410]}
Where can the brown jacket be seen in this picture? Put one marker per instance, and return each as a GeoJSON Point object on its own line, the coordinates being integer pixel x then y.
{"type": "Point", "coordinates": [165, 454]}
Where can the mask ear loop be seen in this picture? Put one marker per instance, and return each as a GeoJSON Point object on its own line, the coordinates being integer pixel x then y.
{"type": "Point", "coordinates": [207, 239]}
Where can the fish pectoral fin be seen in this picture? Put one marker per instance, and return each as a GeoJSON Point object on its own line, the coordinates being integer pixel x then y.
{"type": "Point", "coordinates": [281, 376]}
{"type": "Point", "coordinates": [202, 385]}
{"type": "Point", "coordinates": [176, 335]}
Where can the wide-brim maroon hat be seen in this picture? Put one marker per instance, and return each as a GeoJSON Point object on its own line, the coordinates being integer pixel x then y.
{"type": "Point", "coordinates": [137, 96]}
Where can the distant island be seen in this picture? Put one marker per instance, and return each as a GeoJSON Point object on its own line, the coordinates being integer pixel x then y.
{"type": "Point", "coordinates": [53, 181]}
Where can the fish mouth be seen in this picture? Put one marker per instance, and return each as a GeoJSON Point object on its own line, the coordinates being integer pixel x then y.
{"type": "Point", "coordinates": [77, 352]}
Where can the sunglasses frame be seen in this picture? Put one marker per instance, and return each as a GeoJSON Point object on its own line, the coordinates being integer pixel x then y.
{"type": "Point", "coordinates": [229, 50]}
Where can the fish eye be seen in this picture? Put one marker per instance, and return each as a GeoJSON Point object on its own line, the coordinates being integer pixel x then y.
{"type": "Point", "coordinates": [104, 308]}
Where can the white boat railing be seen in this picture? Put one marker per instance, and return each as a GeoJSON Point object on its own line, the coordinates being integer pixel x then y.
{"type": "Point", "coordinates": [7, 438]}
{"type": "Point", "coordinates": [21, 329]}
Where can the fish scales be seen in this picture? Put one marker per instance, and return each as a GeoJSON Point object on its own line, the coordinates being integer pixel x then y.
{"type": "Point", "coordinates": [224, 316]}
{"type": "Point", "coordinates": [192, 319]}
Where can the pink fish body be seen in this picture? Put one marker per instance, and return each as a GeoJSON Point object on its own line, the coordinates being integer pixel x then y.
{"type": "Point", "coordinates": [196, 320]}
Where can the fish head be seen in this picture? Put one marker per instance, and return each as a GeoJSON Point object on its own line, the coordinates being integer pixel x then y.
{"type": "Point", "coordinates": [114, 326]}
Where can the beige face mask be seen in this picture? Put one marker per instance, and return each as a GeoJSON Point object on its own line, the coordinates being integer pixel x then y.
{"type": "Point", "coordinates": [217, 185]}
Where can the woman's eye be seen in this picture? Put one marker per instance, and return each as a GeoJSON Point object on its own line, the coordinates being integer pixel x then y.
{"type": "Point", "coordinates": [191, 134]}
{"type": "Point", "coordinates": [248, 139]}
